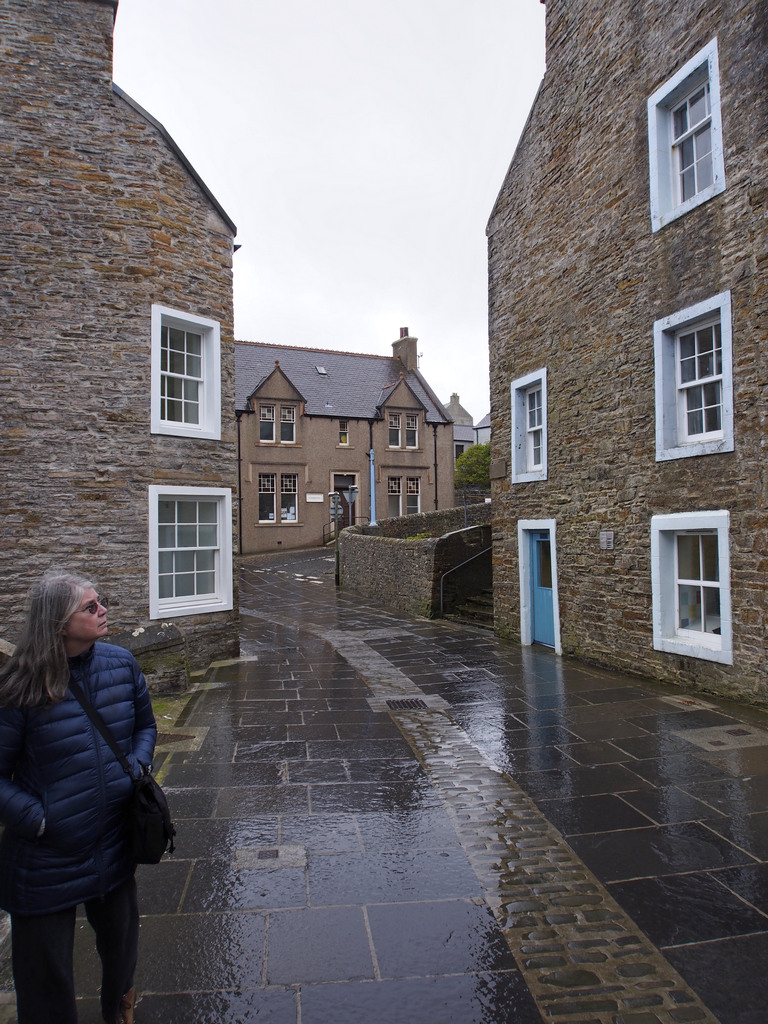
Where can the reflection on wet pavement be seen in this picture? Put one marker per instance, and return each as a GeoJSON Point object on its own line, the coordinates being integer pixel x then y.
{"type": "Point", "coordinates": [555, 842]}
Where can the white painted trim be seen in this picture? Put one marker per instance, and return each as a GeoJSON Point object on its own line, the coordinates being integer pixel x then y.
{"type": "Point", "coordinates": [665, 362]}
{"type": "Point", "coordinates": [663, 582]}
{"type": "Point", "coordinates": [518, 391]}
{"type": "Point", "coordinates": [524, 528]}
{"type": "Point", "coordinates": [222, 600]}
{"type": "Point", "coordinates": [209, 427]}
{"type": "Point", "coordinates": [664, 204]}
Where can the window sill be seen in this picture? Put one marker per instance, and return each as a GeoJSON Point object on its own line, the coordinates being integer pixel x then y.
{"type": "Point", "coordinates": [695, 649]}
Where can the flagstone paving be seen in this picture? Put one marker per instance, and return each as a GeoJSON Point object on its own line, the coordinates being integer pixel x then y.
{"type": "Point", "coordinates": [390, 820]}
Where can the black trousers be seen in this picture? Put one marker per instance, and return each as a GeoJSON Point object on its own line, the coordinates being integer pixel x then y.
{"type": "Point", "coordinates": [42, 953]}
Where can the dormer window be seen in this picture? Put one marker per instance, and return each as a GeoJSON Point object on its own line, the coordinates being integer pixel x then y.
{"type": "Point", "coordinates": [288, 424]}
{"type": "Point", "coordinates": [266, 423]}
{"type": "Point", "coordinates": [394, 429]}
{"type": "Point", "coordinates": [411, 430]}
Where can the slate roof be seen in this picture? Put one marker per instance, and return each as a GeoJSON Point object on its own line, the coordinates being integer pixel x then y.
{"type": "Point", "coordinates": [353, 386]}
{"type": "Point", "coordinates": [462, 432]}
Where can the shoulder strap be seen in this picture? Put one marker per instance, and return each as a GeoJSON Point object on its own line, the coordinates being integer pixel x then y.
{"type": "Point", "coordinates": [100, 724]}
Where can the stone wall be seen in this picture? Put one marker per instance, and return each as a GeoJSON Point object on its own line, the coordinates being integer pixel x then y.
{"type": "Point", "coordinates": [577, 279]}
{"type": "Point", "coordinates": [405, 573]}
{"type": "Point", "coordinates": [435, 523]}
{"type": "Point", "coordinates": [101, 219]}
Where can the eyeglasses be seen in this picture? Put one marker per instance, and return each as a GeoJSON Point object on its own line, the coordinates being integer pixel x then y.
{"type": "Point", "coordinates": [93, 606]}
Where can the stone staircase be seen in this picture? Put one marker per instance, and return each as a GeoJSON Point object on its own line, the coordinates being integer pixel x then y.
{"type": "Point", "coordinates": [476, 610]}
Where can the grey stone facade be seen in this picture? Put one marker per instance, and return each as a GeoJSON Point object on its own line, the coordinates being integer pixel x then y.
{"type": "Point", "coordinates": [591, 292]}
{"type": "Point", "coordinates": [102, 219]}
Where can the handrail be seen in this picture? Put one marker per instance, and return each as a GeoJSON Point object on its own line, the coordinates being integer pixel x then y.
{"type": "Point", "coordinates": [459, 566]}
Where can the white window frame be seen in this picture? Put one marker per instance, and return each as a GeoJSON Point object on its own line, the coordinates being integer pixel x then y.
{"type": "Point", "coordinates": [292, 488]}
{"type": "Point", "coordinates": [288, 417]}
{"type": "Point", "coordinates": [393, 492]}
{"type": "Point", "coordinates": [209, 426]}
{"type": "Point", "coordinates": [267, 415]}
{"type": "Point", "coordinates": [395, 423]}
{"type": "Point", "coordinates": [273, 476]}
{"type": "Point", "coordinates": [412, 489]}
{"type": "Point", "coordinates": [412, 427]}
{"type": "Point", "coordinates": [666, 205]}
{"type": "Point", "coordinates": [344, 433]}
{"type": "Point", "coordinates": [671, 442]}
{"type": "Point", "coordinates": [667, 636]}
{"type": "Point", "coordinates": [221, 599]}
{"type": "Point", "coordinates": [522, 472]}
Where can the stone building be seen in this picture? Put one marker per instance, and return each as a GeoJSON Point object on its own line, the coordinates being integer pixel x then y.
{"type": "Point", "coordinates": [311, 422]}
{"type": "Point", "coordinates": [117, 365]}
{"type": "Point", "coordinates": [628, 251]}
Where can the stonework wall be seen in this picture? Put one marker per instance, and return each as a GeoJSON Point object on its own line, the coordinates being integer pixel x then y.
{"type": "Point", "coordinates": [405, 573]}
{"type": "Point", "coordinates": [577, 279]}
{"type": "Point", "coordinates": [100, 221]}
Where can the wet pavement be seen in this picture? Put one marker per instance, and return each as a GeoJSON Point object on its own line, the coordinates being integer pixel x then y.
{"type": "Point", "coordinates": [391, 820]}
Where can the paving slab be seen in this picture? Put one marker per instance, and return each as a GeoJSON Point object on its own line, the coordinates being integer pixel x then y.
{"type": "Point", "coordinates": [385, 819]}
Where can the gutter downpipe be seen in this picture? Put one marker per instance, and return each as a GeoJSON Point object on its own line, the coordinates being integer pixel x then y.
{"type": "Point", "coordinates": [238, 415]}
{"type": "Point", "coordinates": [372, 459]}
{"type": "Point", "coordinates": [434, 432]}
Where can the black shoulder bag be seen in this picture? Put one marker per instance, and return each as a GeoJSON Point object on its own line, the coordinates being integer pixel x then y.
{"type": "Point", "coordinates": [150, 828]}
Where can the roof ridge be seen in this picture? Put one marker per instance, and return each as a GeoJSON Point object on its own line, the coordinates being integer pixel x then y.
{"type": "Point", "coordinates": [309, 348]}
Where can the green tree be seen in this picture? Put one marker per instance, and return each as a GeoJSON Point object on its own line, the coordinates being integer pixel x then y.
{"type": "Point", "coordinates": [473, 467]}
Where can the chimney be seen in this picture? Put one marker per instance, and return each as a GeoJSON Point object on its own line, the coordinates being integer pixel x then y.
{"type": "Point", "coordinates": [404, 349]}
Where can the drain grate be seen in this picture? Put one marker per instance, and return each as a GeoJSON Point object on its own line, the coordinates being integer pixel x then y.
{"type": "Point", "coordinates": [407, 704]}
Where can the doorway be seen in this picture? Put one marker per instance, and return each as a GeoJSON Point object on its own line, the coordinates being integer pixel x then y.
{"type": "Point", "coordinates": [539, 613]}
{"type": "Point", "coordinates": [341, 483]}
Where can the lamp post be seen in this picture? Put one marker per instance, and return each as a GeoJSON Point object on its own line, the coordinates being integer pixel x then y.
{"type": "Point", "coordinates": [336, 514]}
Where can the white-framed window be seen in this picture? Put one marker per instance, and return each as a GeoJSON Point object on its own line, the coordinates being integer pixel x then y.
{"type": "Point", "coordinates": [411, 430]}
{"type": "Point", "coordinates": [288, 424]}
{"type": "Point", "coordinates": [412, 495]}
{"type": "Point", "coordinates": [529, 427]}
{"type": "Point", "coordinates": [394, 496]}
{"type": "Point", "coordinates": [690, 581]}
{"type": "Point", "coordinates": [267, 423]}
{"type": "Point", "coordinates": [289, 497]}
{"type": "Point", "coordinates": [693, 358]}
{"type": "Point", "coordinates": [186, 374]}
{"type": "Point", "coordinates": [685, 139]}
{"type": "Point", "coordinates": [344, 432]}
{"type": "Point", "coordinates": [394, 429]}
{"type": "Point", "coordinates": [267, 497]}
{"type": "Point", "coordinates": [190, 550]}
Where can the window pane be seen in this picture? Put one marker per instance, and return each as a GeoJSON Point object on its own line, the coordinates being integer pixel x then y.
{"type": "Point", "coordinates": [207, 512]}
{"type": "Point", "coordinates": [205, 582]}
{"type": "Point", "coordinates": [165, 561]}
{"type": "Point", "coordinates": [185, 585]}
{"type": "Point", "coordinates": [165, 586]}
{"type": "Point", "coordinates": [166, 511]}
{"type": "Point", "coordinates": [688, 557]}
{"type": "Point", "coordinates": [698, 106]}
{"type": "Point", "coordinates": [205, 561]}
{"type": "Point", "coordinates": [687, 357]}
{"type": "Point", "coordinates": [166, 536]}
{"type": "Point", "coordinates": [187, 511]}
{"type": "Point", "coordinates": [711, 610]}
{"type": "Point", "coordinates": [690, 607]}
{"type": "Point", "coordinates": [187, 537]}
{"type": "Point", "coordinates": [681, 120]}
{"type": "Point", "coordinates": [184, 561]}
{"type": "Point", "coordinates": [208, 536]}
{"type": "Point", "coordinates": [709, 557]}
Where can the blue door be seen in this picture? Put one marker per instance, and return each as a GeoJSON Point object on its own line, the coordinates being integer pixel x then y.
{"type": "Point", "coordinates": [541, 589]}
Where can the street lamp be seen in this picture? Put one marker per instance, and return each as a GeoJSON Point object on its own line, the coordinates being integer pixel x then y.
{"type": "Point", "coordinates": [336, 515]}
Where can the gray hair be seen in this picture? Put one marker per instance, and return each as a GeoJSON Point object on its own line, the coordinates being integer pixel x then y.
{"type": "Point", "coordinates": [37, 672]}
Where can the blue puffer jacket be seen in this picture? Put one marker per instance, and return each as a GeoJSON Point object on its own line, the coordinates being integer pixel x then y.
{"type": "Point", "coordinates": [54, 764]}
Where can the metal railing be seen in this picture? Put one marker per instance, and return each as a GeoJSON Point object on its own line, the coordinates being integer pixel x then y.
{"type": "Point", "coordinates": [459, 566]}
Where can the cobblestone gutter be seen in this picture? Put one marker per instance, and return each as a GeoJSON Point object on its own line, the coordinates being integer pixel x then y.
{"type": "Point", "coordinates": [583, 958]}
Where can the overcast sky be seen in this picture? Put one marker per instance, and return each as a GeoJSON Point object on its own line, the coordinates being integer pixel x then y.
{"type": "Point", "coordinates": [358, 145]}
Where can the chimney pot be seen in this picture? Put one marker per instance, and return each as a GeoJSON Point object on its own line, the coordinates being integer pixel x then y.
{"type": "Point", "coordinates": [404, 332]}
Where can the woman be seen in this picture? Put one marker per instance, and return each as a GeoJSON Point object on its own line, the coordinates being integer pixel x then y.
{"type": "Point", "coordinates": [63, 797]}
